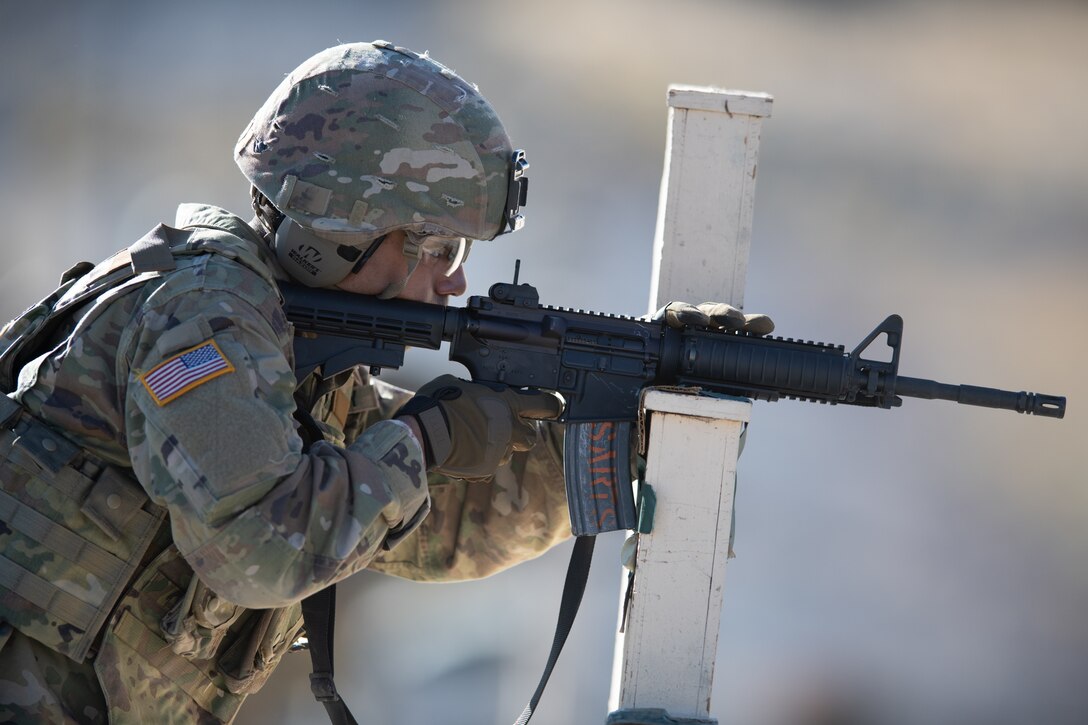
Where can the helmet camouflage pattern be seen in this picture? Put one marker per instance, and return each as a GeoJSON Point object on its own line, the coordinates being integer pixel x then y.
{"type": "Point", "coordinates": [367, 138]}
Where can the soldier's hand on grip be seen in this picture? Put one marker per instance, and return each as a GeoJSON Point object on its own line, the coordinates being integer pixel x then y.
{"type": "Point", "coordinates": [473, 428]}
{"type": "Point", "coordinates": [715, 316]}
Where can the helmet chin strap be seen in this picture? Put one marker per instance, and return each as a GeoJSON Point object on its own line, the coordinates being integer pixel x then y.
{"type": "Point", "coordinates": [410, 250]}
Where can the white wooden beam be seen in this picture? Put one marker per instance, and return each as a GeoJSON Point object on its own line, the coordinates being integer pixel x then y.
{"type": "Point", "coordinates": [704, 219]}
{"type": "Point", "coordinates": [665, 661]}
{"type": "Point", "coordinates": [667, 655]}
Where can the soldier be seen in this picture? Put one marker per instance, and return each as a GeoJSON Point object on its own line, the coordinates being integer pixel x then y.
{"type": "Point", "coordinates": [150, 433]}
{"type": "Point", "coordinates": [168, 493]}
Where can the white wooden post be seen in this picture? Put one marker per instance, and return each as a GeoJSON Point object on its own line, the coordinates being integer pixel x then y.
{"type": "Point", "coordinates": [665, 661]}
{"type": "Point", "coordinates": [704, 216]}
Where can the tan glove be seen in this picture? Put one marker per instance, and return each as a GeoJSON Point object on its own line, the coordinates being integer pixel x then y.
{"type": "Point", "coordinates": [473, 428]}
{"type": "Point", "coordinates": [715, 316]}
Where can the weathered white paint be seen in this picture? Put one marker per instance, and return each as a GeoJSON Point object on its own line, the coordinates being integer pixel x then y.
{"type": "Point", "coordinates": [667, 655]}
{"type": "Point", "coordinates": [695, 405]}
{"type": "Point", "coordinates": [666, 658]}
{"type": "Point", "coordinates": [704, 221]}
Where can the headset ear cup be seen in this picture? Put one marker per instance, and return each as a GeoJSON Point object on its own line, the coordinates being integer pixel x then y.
{"type": "Point", "coordinates": [309, 259]}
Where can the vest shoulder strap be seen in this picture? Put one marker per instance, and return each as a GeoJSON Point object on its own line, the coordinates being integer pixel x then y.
{"type": "Point", "coordinates": [152, 255]}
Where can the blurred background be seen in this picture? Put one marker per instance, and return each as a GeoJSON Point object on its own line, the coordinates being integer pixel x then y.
{"type": "Point", "coordinates": [923, 565]}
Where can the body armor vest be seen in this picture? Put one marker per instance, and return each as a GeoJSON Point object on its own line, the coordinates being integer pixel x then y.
{"type": "Point", "coordinates": [74, 527]}
{"type": "Point", "coordinates": [85, 555]}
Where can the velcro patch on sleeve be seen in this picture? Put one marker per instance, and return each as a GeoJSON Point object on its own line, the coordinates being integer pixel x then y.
{"type": "Point", "coordinates": [184, 371]}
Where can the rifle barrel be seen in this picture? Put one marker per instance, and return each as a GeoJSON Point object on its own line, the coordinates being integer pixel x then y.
{"type": "Point", "coordinates": [1050, 406]}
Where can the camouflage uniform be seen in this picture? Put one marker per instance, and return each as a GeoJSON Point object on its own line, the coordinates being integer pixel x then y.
{"type": "Point", "coordinates": [262, 522]}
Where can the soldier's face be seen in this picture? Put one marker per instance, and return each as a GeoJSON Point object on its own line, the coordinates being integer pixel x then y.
{"type": "Point", "coordinates": [388, 265]}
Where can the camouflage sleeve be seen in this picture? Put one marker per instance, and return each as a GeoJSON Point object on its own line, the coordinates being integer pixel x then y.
{"type": "Point", "coordinates": [475, 529]}
{"type": "Point", "coordinates": [209, 423]}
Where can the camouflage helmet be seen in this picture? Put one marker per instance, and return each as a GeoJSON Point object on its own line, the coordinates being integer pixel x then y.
{"type": "Point", "coordinates": [364, 139]}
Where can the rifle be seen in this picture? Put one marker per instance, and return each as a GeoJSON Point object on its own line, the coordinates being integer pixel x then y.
{"type": "Point", "coordinates": [600, 363]}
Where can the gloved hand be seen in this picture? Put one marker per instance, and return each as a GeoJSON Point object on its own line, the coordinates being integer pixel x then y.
{"type": "Point", "coordinates": [473, 428]}
{"type": "Point", "coordinates": [713, 315]}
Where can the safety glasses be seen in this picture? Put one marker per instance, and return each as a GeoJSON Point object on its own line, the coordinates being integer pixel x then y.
{"type": "Point", "coordinates": [447, 252]}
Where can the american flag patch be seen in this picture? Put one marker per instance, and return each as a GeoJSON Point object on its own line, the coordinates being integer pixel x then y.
{"type": "Point", "coordinates": [186, 370]}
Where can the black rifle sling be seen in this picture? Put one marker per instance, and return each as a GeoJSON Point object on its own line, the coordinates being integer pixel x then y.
{"type": "Point", "coordinates": [573, 589]}
{"type": "Point", "coordinates": [319, 614]}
